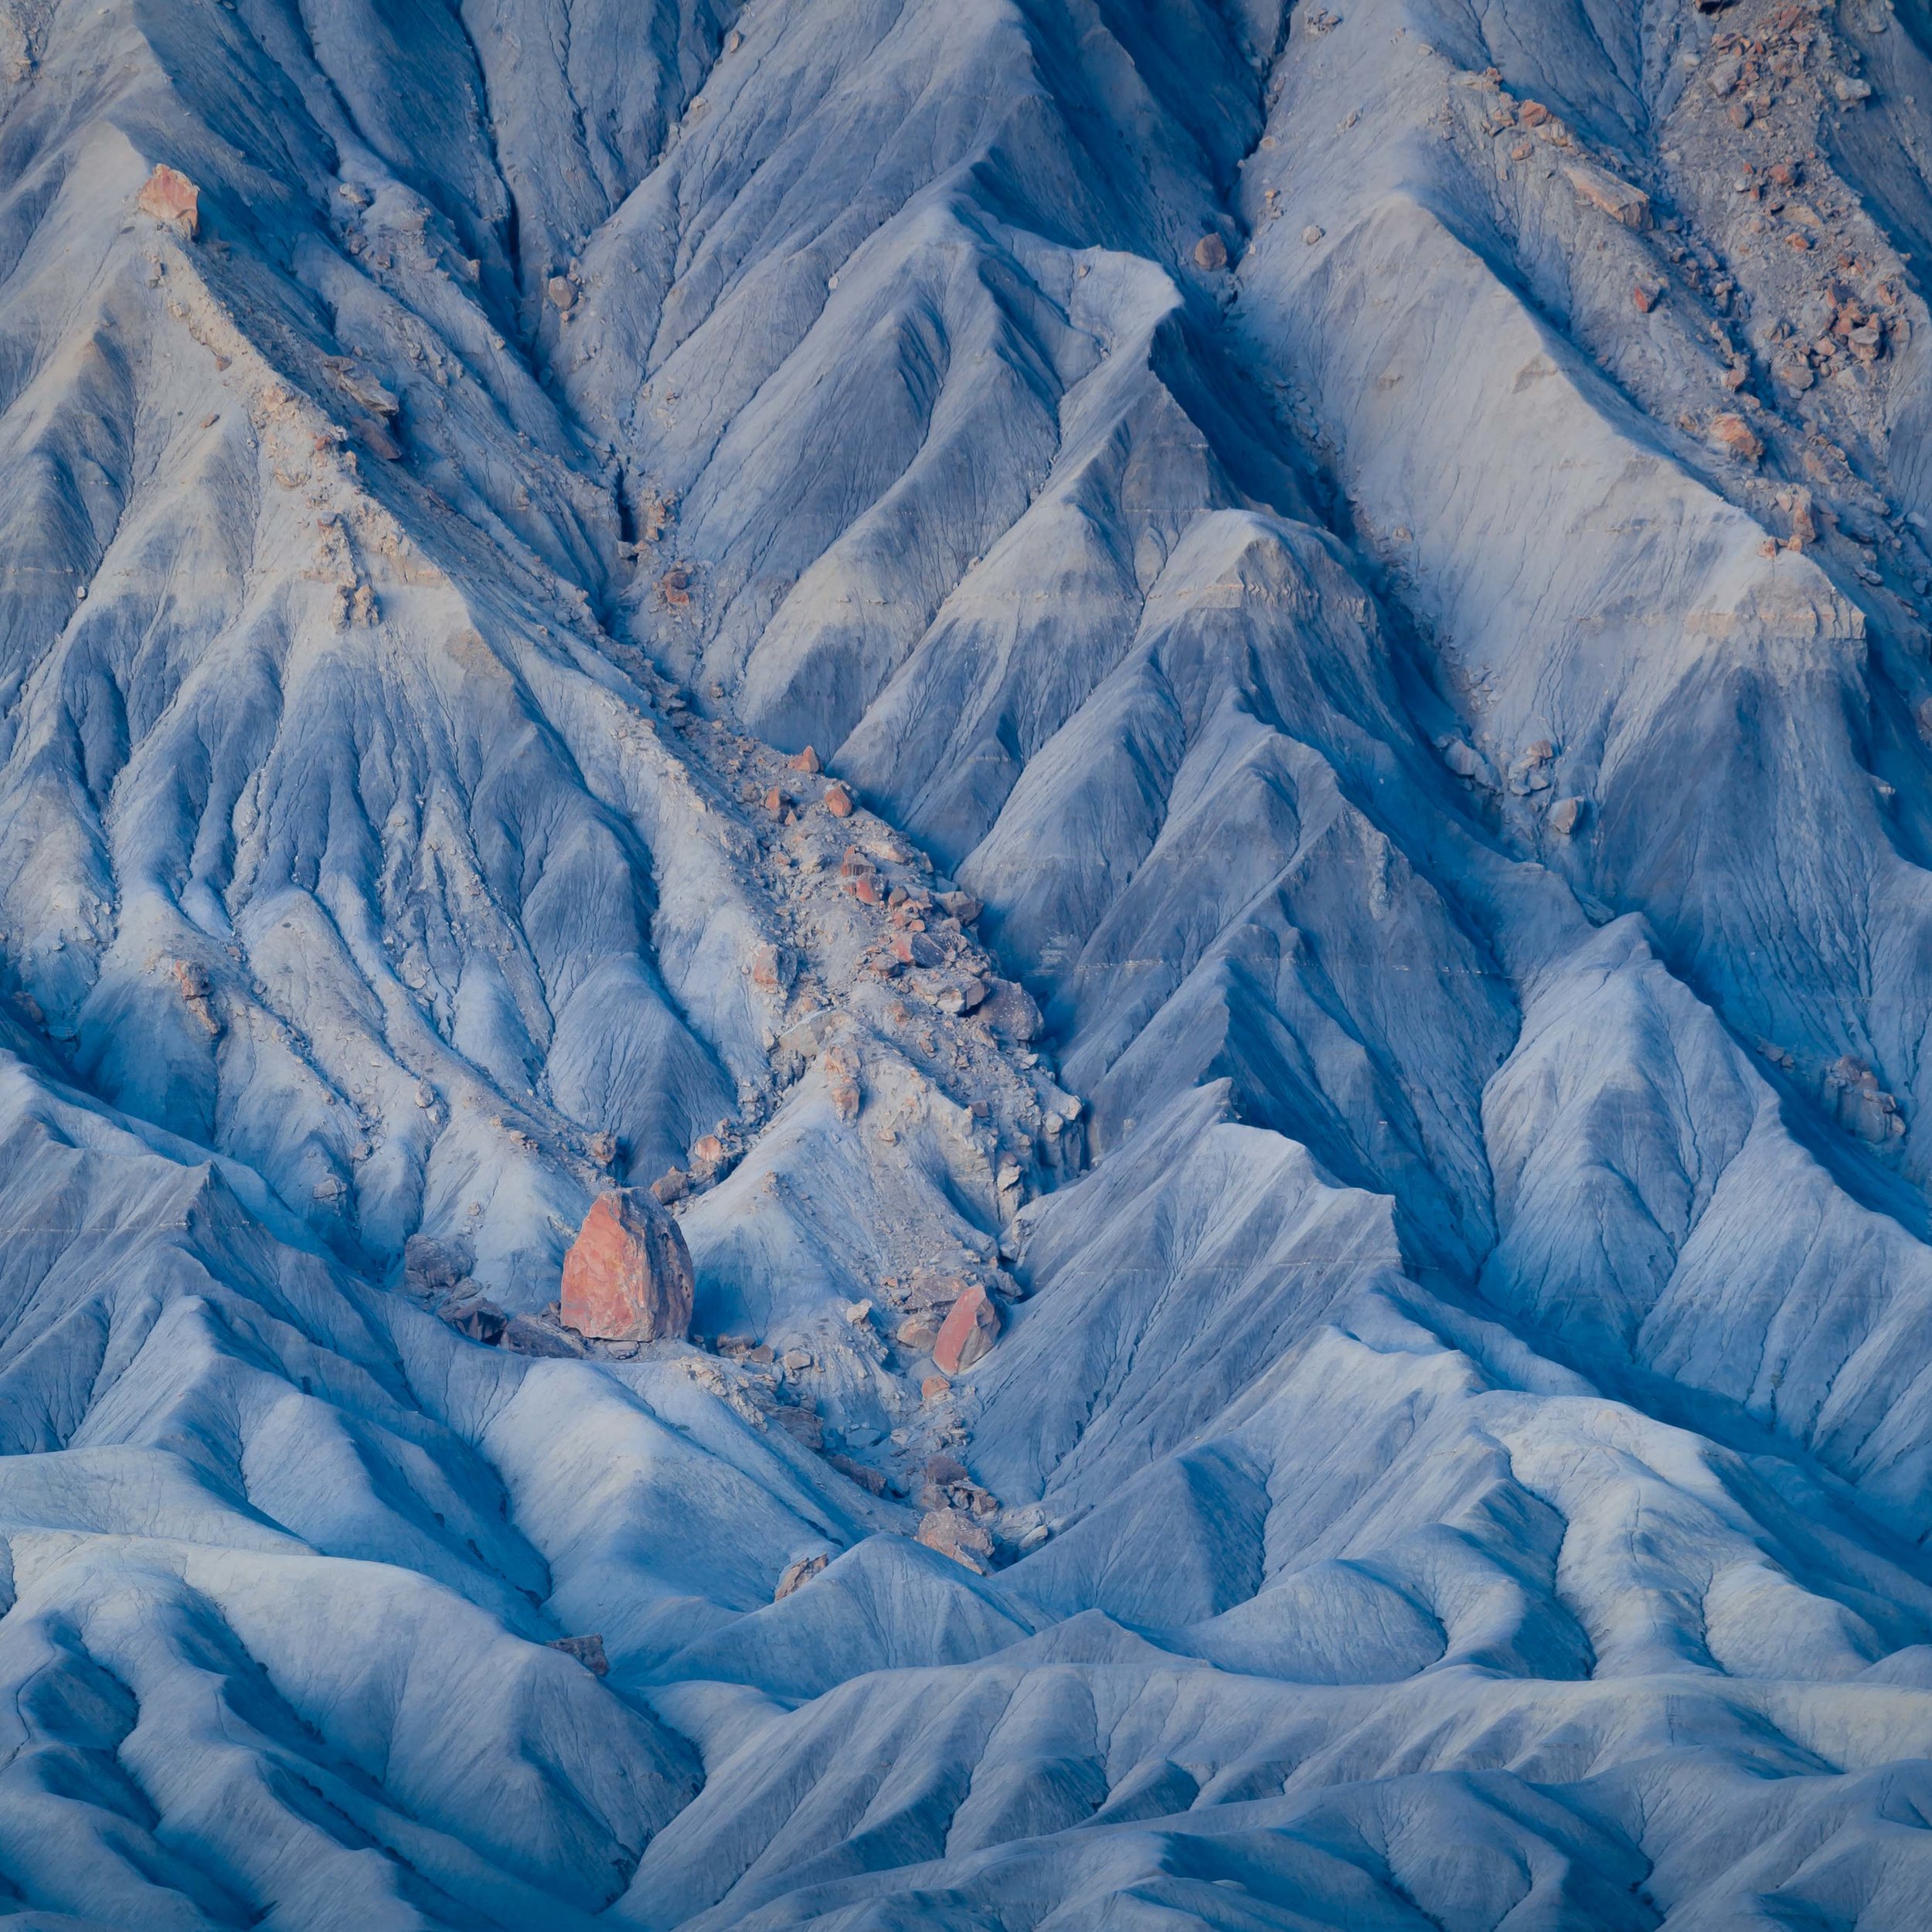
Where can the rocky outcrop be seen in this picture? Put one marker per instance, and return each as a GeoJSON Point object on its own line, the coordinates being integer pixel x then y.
{"type": "Point", "coordinates": [628, 1276]}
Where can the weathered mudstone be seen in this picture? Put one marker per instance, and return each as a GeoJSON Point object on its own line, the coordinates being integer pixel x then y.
{"type": "Point", "coordinates": [628, 1277]}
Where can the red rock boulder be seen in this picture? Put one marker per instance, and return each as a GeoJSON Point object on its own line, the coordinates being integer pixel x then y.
{"type": "Point", "coordinates": [970, 1329]}
{"type": "Point", "coordinates": [168, 196]}
{"type": "Point", "coordinates": [628, 1277]}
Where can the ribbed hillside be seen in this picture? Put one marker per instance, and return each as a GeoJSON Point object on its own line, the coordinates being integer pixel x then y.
{"type": "Point", "coordinates": [1206, 722]}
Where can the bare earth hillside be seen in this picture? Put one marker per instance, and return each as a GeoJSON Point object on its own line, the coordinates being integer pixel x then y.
{"type": "Point", "coordinates": [1194, 739]}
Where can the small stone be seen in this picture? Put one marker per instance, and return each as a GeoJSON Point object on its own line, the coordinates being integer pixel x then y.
{"type": "Point", "coordinates": [1731, 434]}
{"type": "Point", "coordinates": [953, 1533]}
{"type": "Point", "coordinates": [916, 949]}
{"type": "Point", "coordinates": [1312, 234]}
{"type": "Point", "coordinates": [523, 1334]}
{"type": "Point", "coordinates": [673, 1185]}
{"type": "Point", "coordinates": [795, 1359]}
{"type": "Point", "coordinates": [588, 1651]}
{"type": "Point", "coordinates": [561, 292]}
{"type": "Point", "coordinates": [771, 967]}
{"type": "Point", "coordinates": [169, 196]}
{"type": "Point", "coordinates": [430, 1265]}
{"type": "Point", "coordinates": [1617, 198]}
{"type": "Point", "coordinates": [1564, 816]}
{"type": "Point", "coordinates": [838, 801]}
{"type": "Point", "coordinates": [1530, 773]}
{"type": "Point", "coordinates": [628, 1277]}
{"type": "Point", "coordinates": [806, 761]}
{"type": "Point", "coordinates": [803, 1426]}
{"type": "Point", "coordinates": [774, 801]}
{"type": "Point", "coordinates": [969, 1330]}
{"type": "Point", "coordinates": [1861, 1107]}
{"type": "Point", "coordinates": [929, 1288]}
{"type": "Point", "coordinates": [934, 1389]}
{"type": "Point", "coordinates": [1741, 115]}
{"type": "Point", "coordinates": [602, 1147]}
{"type": "Point", "coordinates": [869, 1479]}
{"type": "Point", "coordinates": [1009, 1010]}
{"type": "Point", "coordinates": [1849, 91]}
{"type": "Point", "coordinates": [1464, 760]}
{"type": "Point", "coordinates": [481, 1321]}
{"type": "Point", "coordinates": [795, 1576]}
{"type": "Point", "coordinates": [1210, 253]}
{"type": "Point", "coordinates": [918, 1332]}
{"type": "Point", "coordinates": [840, 1065]}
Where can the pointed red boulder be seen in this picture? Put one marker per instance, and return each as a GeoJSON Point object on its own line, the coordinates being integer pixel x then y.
{"type": "Point", "coordinates": [628, 1277]}
{"type": "Point", "coordinates": [970, 1328]}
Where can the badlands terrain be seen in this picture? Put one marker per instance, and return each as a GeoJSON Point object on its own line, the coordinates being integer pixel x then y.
{"type": "Point", "coordinates": [1179, 752]}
